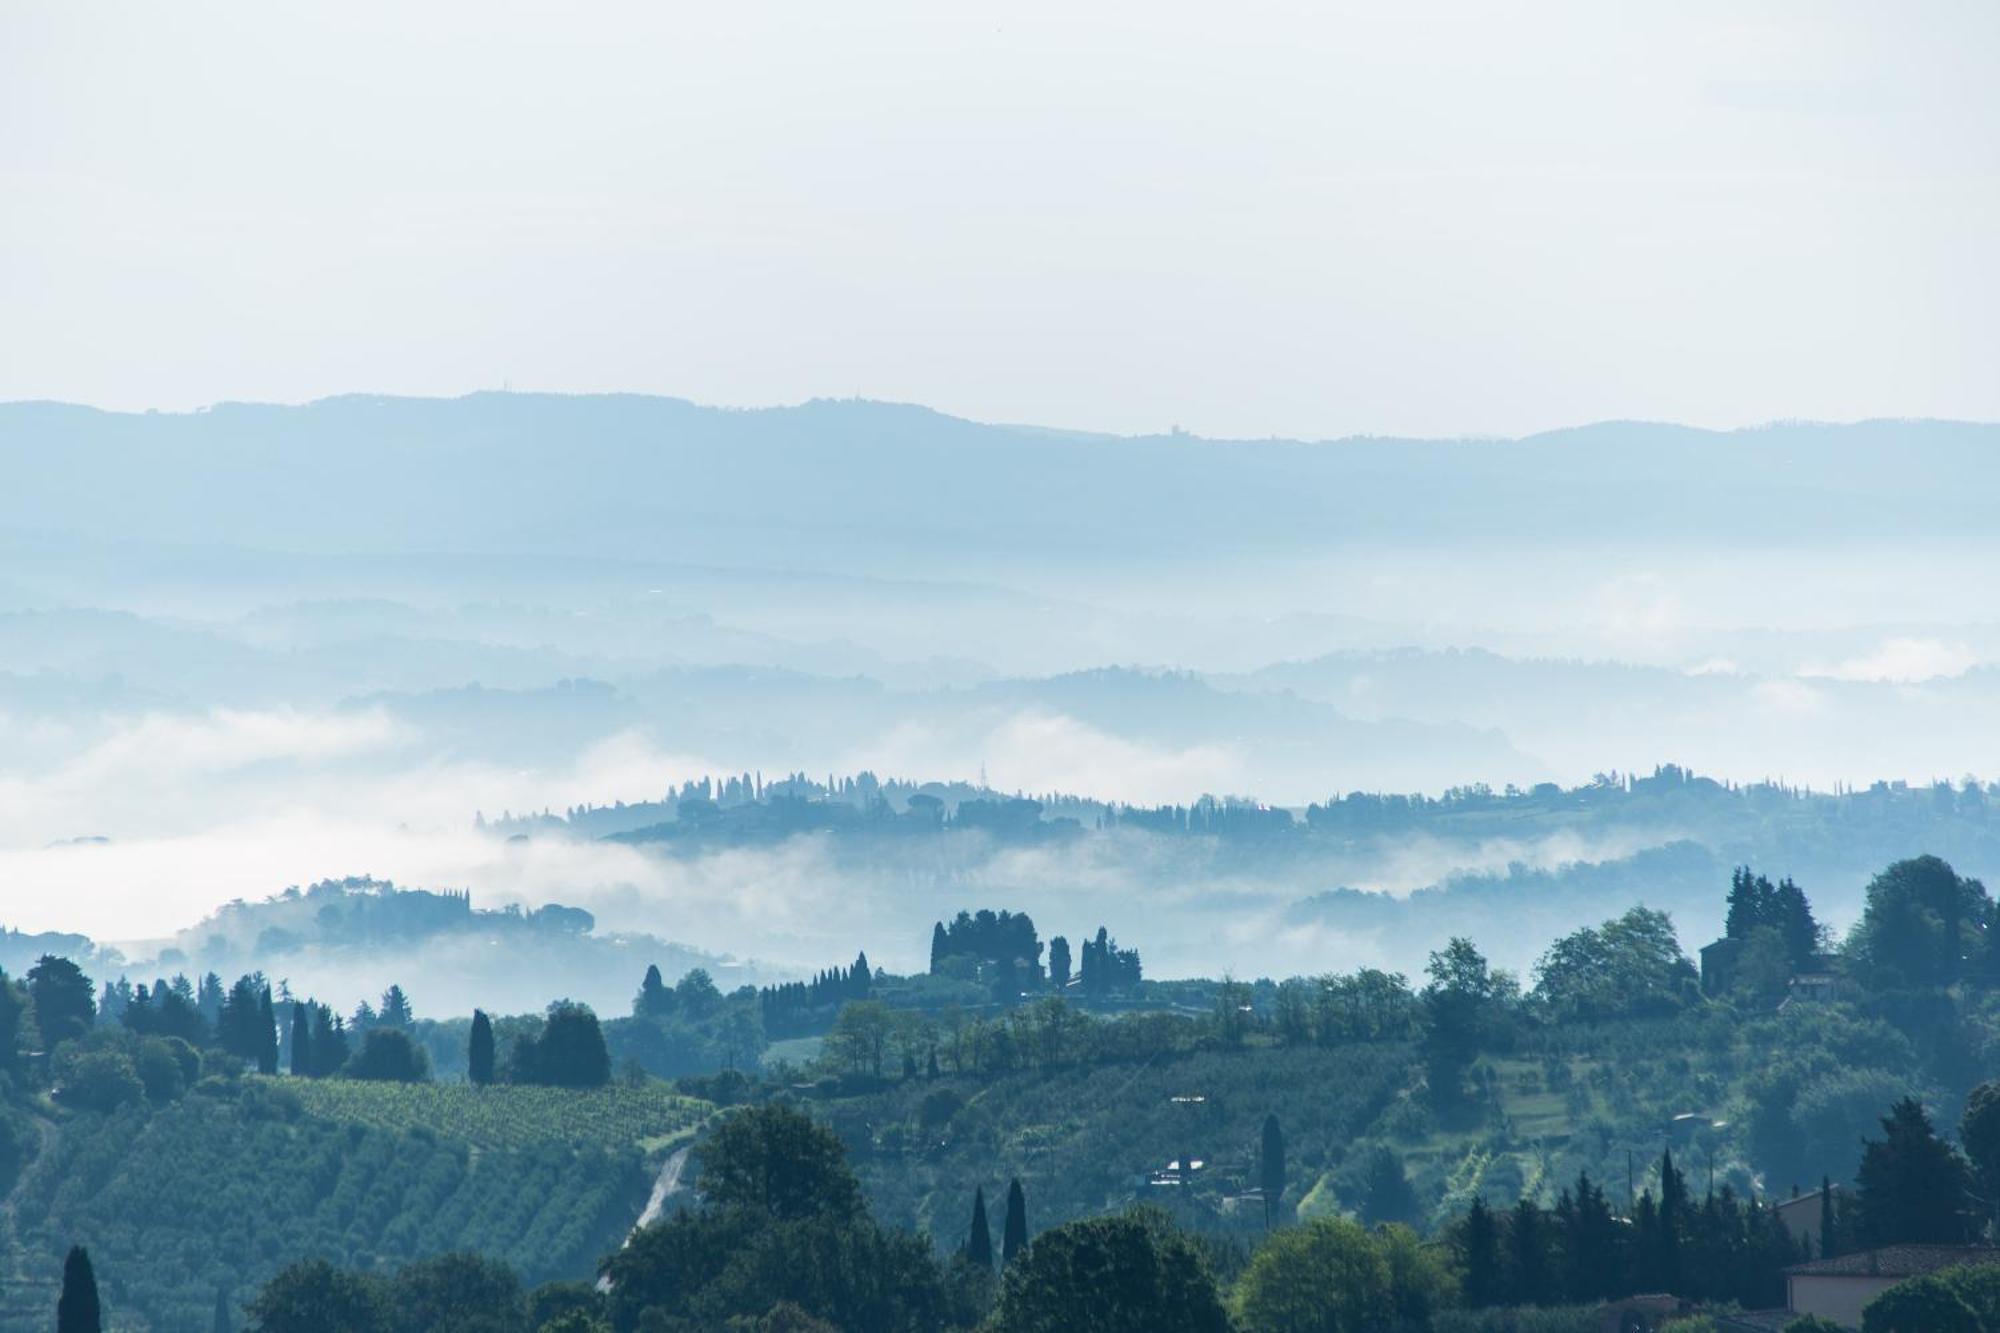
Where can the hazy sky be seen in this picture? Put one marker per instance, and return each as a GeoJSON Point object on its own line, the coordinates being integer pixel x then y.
{"type": "Point", "coordinates": [1306, 219]}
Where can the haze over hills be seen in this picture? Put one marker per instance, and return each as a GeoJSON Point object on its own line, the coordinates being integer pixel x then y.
{"type": "Point", "coordinates": [263, 645]}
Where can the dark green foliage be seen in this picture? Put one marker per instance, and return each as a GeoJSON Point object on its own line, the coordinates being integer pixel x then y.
{"type": "Point", "coordinates": [97, 1079]}
{"type": "Point", "coordinates": [781, 1221]}
{"type": "Point", "coordinates": [979, 1239]}
{"type": "Point", "coordinates": [13, 1006]}
{"type": "Point", "coordinates": [1979, 1134]}
{"type": "Point", "coordinates": [1104, 968]}
{"type": "Point", "coordinates": [395, 1011]}
{"type": "Point", "coordinates": [1479, 1256]}
{"type": "Point", "coordinates": [568, 1053]}
{"type": "Point", "coordinates": [1928, 1304]}
{"type": "Point", "coordinates": [457, 1293]}
{"type": "Point", "coordinates": [1924, 925]}
{"type": "Point", "coordinates": [1132, 1273]}
{"type": "Point", "coordinates": [302, 1061]}
{"type": "Point", "coordinates": [776, 1161]}
{"type": "Point", "coordinates": [1059, 962]}
{"type": "Point", "coordinates": [1271, 1167]}
{"type": "Point", "coordinates": [329, 1043]}
{"type": "Point", "coordinates": [77, 1308]}
{"type": "Point", "coordinates": [1755, 904]}
{"type": "Point", "coordinates": [315, 1297]}
{"type": "Point", "coordinates": [479, 1047]}
{"type": "Point", "coordinates": [1912, 1184]}
{"type": "Point", "coordinates": [63, 998]}
{"type": "Point", "coordinates": [654, 1000]}
{"type": "Point", "coordinates": [986, 937]}
{"type": "Point", "coordinates": [1014, 1237]}
{"type": "Point", "coordinates": [1628, 968]}
{"type": "Point", "coordinates": [388, 1055]}
{"type": "Point", "coordinates": [1386, 1195]}
{"type": "Point", "coordinates": [267, 1034]}
{"type": "Point", "coordinates": [1332, 1274]}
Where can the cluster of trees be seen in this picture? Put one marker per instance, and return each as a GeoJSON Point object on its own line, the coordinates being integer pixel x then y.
{"type": "Point", "coordinates": [975, 941]}
{"type": "Point", "coordinates": [1718, 1249]}
{"type": "Point", "coordinates": [1104, 967]}
{"type": "Point", "coordinates": [794, 1006]}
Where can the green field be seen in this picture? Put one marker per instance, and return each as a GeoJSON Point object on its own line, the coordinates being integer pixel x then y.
{"type": "Point", "coordinates": [648, 1117]}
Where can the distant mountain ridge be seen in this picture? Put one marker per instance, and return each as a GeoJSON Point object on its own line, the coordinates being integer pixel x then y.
{"type": "Point", "coordinates": [879, 486]}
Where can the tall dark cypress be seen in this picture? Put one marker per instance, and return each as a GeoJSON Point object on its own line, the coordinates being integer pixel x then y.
{"type": "Point", "coordinates": [1014, 1234]}
{"type": "Point", "coordinates": [77, 1310]}
{"type": "Point", "coordinates": [302, 1063]}
{"type": "Point", "coordinates": [1829, 1241]}
{"type": "Point", "coordinates": [479, 1050]}
{"type": "Point", "coordinates": [979, 1245]}
{"type": "Point", "coordinates": [938, 947]}
{"type": "Point", "coordinates": [267, 1035]}
{"type": "Point", "coordinates": [1271, 1168]}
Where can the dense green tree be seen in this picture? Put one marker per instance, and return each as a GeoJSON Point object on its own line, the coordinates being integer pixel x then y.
{"type": "Point", "coordinates": [696, 993]}
{"type": "Point", "coordinates": [1132, 1273]}
{"type": "Point", "coordinates": [776, 1161]}
{"type": "Point", "coordinates": [1326, 1274]}
{"type": "Point", "coordinates": [1630, 967]}
{"type": "Point", "coordinates": [859, 1041]}
{"type": "Point", "coordinates": [395, 1011]}
{"type": "Point", "coordinates": [388, 1055]}
{"type": "Point", "coordinates": [1923, 925]}
{"type": "Point", "coordinates": [1459, 1009]}
{"type": "Point", "coordinates": [654, 999]}
{"type": "Point", "coordinates": [1014, 1236]}
{"type": "Point", "coordinates": [570, 1051]}
{"type": "Point", "coordinates": [1926, 1304]}
{"type": "Point", "coordinates": [101, 1079]}
{"type": "Point", "coordinates": [1059, 962]}
{"type": "Point", "coordinates": [1912, 1184]}
{"type": "Point", "coordinates": [64, 1001]}
{"type": "Point", "coordinates": [77, 1309]}
{"type": "Point", "coordinates": [1479, 1257]}
{"type": "Point", "coordinates": [1979, 1133]}
{"type": "Point", "coordinates": [329, 1043]}
{"type": "Point", "coordinates": [267, 1033]}
{"type": "Point", "coordinates": [979, 1239]}
{"type": "Point", "coordinates": [1530, 1280]}
{"type": "Point", "coordinates": [1271, 1168]}
{"type": "Point", "coordinates": [456, 1293]}
{"type": "Point", "coordinates": [479, 1047]}
{"type": "Point", "coordinates": [315, 1297]}
{"type": "Point", "coordinates": [1386, 1195]}
{"type": "Point", "coordinates": [302, 1061]}
{"type": "Point", "coordinates": [13, 1008]}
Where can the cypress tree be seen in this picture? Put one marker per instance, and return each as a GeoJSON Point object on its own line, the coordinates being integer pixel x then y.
{"type": "Point", "coordinates": [1828, 1241]}
{"type": "Point", "coordinates": [222, 1310]}
{"type": "Point", "coordinates": [1482, 1256]}
{"type": "Point", "coordinates": [1271, 1168]}
{"type": "Point", "coordinates": [77, 1310]}
{"type": "Point", "coordinates": [479, 1050]}
{"type": "Point", "coordinates": [938, 947]}
{"type": "Point", "coordinates": [1014, 1234]}
{"type": "Point", "coordinates": [979, 1245]}
{"type": "Point", "coordinates": [302, 1065]}
{"type": "Point", "coordinates": [267, 1035]}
